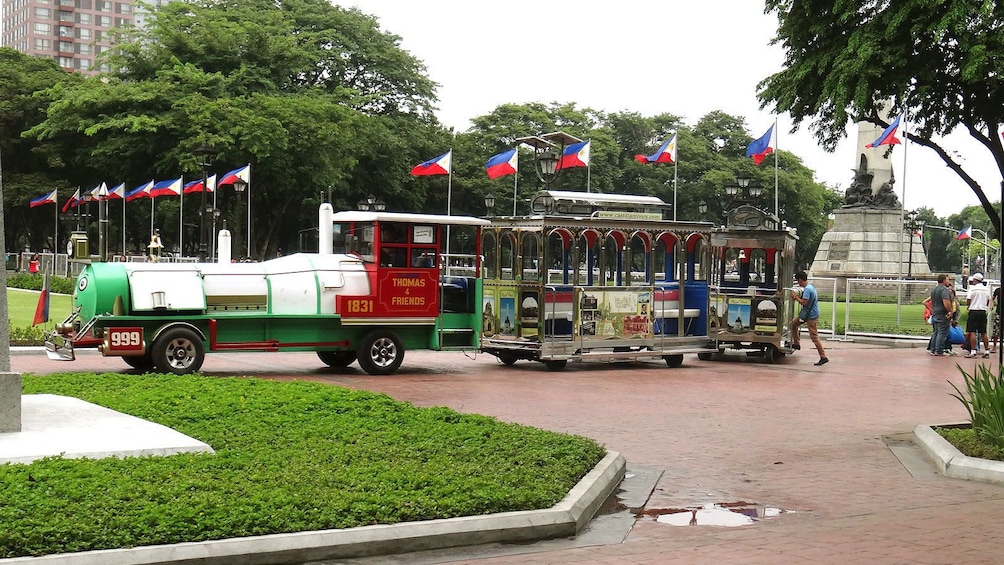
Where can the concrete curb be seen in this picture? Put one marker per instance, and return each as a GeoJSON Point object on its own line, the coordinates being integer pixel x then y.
{"type": "Point", "coordinates": [952, 463]}
{"type": "Point", "coordinates": [563, 519]}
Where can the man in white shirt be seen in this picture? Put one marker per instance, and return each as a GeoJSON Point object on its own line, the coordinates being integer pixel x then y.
{"type": "Point", "coordinates": [979, 302]}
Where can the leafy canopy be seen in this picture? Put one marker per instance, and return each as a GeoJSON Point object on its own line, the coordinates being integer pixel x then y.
{"type": "Point", "coordinates": [941, 63]}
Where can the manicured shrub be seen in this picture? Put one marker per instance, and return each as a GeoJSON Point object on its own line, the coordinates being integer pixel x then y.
{"type": "Point", "coordinates": [290, 456]}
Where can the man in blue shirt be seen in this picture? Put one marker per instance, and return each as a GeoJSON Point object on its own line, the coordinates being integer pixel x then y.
{"type": "Point", "coordinates": [808, 315]}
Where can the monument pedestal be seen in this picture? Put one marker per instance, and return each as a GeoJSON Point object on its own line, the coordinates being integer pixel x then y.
{"type": "Point", "coordinates": [10, 402]}
{"type": "Point", "coordinates": [869, 242]}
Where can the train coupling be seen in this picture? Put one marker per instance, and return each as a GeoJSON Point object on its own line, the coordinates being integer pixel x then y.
{"type": "Point", "coordinates": [58, 348]}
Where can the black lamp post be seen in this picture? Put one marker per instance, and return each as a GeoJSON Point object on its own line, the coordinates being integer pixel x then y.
{"type": "Point", "coordinates": [490, 204]}
{"type": "Point", "coordinates": [910, 225]}
{"type": "Point", "coordinates": [702, 208]}
{"type": "Point", "coordinates": [547, 152]}
{"type": "Point", "coordinates": [102, 197]}
{"type": "Point", "coordinates": [371, 203]}
{"type": "Point", "coordinates": [240, 185]}
{"type": "Point", "coordinates": [206, 153]}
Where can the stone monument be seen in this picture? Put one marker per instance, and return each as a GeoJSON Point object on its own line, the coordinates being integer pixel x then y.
{"type": "Point", "coordinates": [10, 383]}
{"type": "Point", "coordinates": [867, 238]}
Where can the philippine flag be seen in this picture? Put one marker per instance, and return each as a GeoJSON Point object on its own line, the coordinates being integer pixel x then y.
{"type": "Point", "coordinates": [193, 186]}
{"type": "Point", "coordinates": [170, 187]}
{"type": "Point", "coordinates": [72, 202]}
{"type": "Point", "coordinates": [888, 136]}
{"type": "Point", "coordinates": [438, 166]}
{"type": "Point", "coordinates": [761, 147]}
{"type": "Point", "coordinates": [505, 163]}
{"type": "Point", "coordinates": [49, 198]}
{"type": "Point", "coordinates": [243, 173]}
{"type": "Point", "coordinates": [665, 154]}
{"type": "Point", "coordinates": [117, 192]}
{"type": "Point", "coordinates": [575, 155]}
{"type": "Point", "coordinates": [966, 233]}
{"type": "Point", "coordinates": [141, 191]}
{"type": "Point", "coordinates": [42, 308]}
{"type": "Point", "coordinates": [95, 193]}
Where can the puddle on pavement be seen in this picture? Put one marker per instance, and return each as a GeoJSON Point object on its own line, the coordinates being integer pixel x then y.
{"type": "Point", "coordinates": [729, 514]}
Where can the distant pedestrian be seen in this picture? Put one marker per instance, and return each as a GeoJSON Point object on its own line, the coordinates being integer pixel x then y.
{"type": "Point", "coordinates": [941, 308]}
{"type": "Point", "coordinates": [979, 301]}
{"type": "Point", "coordinates": [33, 264]}
{"type": "Point", "coordinates": [808, 315]}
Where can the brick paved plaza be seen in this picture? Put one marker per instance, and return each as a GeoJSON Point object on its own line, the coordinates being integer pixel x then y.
{"type": "Point", "coordinates": [809, 441]}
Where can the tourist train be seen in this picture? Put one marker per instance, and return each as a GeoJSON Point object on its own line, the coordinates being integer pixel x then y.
{"type": "Point", "coordinates": [583, 277]}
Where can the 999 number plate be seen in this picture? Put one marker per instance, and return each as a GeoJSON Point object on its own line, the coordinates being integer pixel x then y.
{"type": "Point", "coordinates": [123, 341]}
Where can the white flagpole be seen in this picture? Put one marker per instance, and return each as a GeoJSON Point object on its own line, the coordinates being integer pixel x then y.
{"type": "Point", "coordinates": [123, 223]}
{"type": "Point", "coordinates": [248, 241]}
{"type": "Point", "coordinates": [904, 159]}
{"type": "Point", "coordinates": [675, 178]}
{"type": "Point", "coordinates": [181, 219]}
{"type": "Point", "coordinates": [589, 170]}
{"type": "Point", "coordinates": [55, 237]}
{"type": "Point", "coordinates": [212, 243]}
{"type": "Point", "coordinates": [449, 203]}
{"type": "Point", "coordinates": [776, 151]}
{"type": "Point", "coordinates": [515, 184]}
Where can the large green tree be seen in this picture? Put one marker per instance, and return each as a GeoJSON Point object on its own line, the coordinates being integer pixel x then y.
{"type": "Point", "coordinates": [29, 168]}
{"type": "Point", "coordinates": [940, 62]}
{"type": "Point", "coordinates": [316, 97]}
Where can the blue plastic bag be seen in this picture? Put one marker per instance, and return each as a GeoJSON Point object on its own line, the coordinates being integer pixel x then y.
{"type": "Point", "coordinates": [955, 335]}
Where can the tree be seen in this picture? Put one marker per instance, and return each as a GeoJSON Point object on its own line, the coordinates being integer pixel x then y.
{"type": "Point", "coordinates": [939, 62]}
{"type": "Point", "coordinates": [316, 97]}
{"type": "Point", "coordinates": [28, 169]}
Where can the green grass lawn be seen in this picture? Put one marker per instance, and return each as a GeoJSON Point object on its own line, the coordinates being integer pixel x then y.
{"type": "Point", "coordinates": [21, 307]}
{"type": "Point", "coordinates": [879, 318]}
{"type": "Point", "coordinates": [290, 456]}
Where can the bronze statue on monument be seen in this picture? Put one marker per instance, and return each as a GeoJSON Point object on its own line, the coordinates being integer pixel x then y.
{"type": "Point", "coordinates": [862, 195]}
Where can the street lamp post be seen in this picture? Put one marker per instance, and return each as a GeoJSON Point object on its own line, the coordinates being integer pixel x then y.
{"type": "Point", "coordinates": [239, 186]}
{"type": "Point", "coordinates": [371, 203]}
{"type": "Point", "coordinates": [490, 204]}
{"type": "Point", "coordinates": [547, 152]}
{"type": "Point", "coordinates": [910, 225]}
{"type": "Point", "coordinates": [102, 197]}
{"type": "Point", "coordinates": [743, 196]}
{"type": "Point", "coordinates": [986, 244]}
{"type": "Point", "coordinates": [205, 153]}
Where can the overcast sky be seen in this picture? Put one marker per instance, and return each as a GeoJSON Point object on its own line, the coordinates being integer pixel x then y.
{"type": "Point", "coordinates": [685, 58]}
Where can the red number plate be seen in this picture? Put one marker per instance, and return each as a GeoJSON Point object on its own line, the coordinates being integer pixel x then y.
{"type": "Point", "coordinates": [123, 340]}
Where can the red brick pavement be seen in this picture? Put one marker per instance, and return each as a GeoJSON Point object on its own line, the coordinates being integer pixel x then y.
{"type": "Point", "coordinates": [793, 436]}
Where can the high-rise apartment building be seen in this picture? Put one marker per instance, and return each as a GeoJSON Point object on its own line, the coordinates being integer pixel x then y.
{"type": "Point", "coordinates": [73, 32]}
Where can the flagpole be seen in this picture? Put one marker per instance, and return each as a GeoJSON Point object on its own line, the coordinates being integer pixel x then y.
{"type": "Point", "coordinates": [588, 177]}
{"type": "Point", "coordinates": [675, 178]}
{"type": "Point", "coordinates": [515, 185]}
{"type": "Point", "coordinates": [55, 237]}
{"type": "Point", "coordinates": [777, 150]}
{"type": "Point", "coordinates": [449, 204]}
{"type": "Point", "coordinates": [249, 210]}
{"type": "Point", "coordinates": [123, 222]}
{"type": "Point", "coordinates": [181, 218]}
{"type": "Point", "coordinates": [212, 243]}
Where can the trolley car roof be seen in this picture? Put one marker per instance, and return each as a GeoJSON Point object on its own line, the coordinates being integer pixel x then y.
{"type": "Point", "coordinates": [366, 216]}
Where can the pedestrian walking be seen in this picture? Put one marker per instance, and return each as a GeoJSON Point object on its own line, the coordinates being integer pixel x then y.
{"type": "Point", "coordinates": [808, 315]}
{"type": "Point", "coordinates": [941, 310]}
{"type": "Point", "coordinates": [33, 264]}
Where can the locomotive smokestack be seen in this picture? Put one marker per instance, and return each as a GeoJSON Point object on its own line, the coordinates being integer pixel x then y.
{"type": "Point", "coordinates": [325, 239]}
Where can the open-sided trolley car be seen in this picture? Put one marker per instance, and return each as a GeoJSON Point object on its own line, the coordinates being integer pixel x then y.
{"type": "Point", "coordinates": [595, 277]}
{"type": "Point", "coordinates": [752, 272]}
